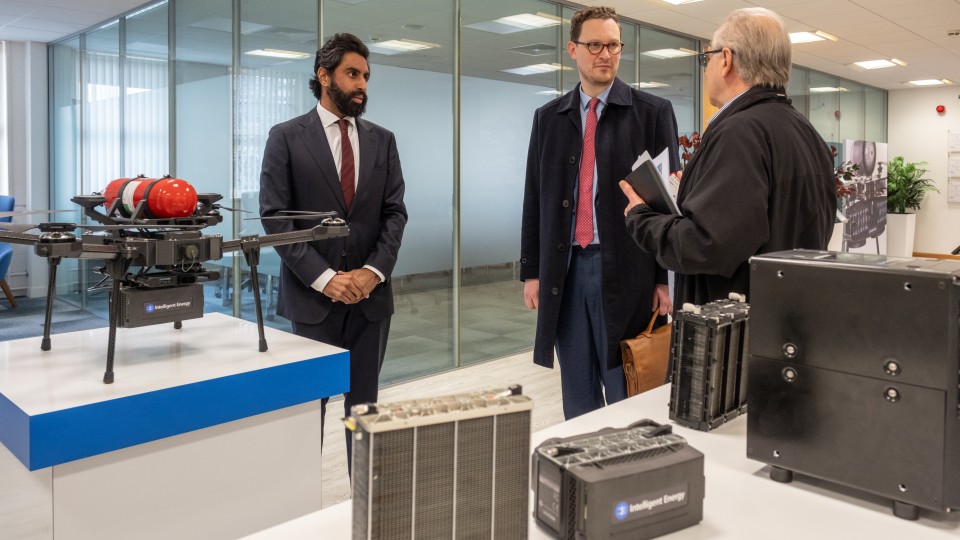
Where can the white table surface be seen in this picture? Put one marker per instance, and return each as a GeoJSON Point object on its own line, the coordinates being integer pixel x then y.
{"type": "Point", "coordinates": [741, 501]}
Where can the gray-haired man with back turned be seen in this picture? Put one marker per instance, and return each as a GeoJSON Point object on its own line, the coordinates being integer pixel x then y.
{"type": "Point", "coordinates": [762, 179]}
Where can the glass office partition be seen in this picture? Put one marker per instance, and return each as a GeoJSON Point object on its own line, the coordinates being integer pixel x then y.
{"type": "Point", "coordinates": [192, 87]}
{"type": "Point", "coordinates": [875, 114]}
{"type": "Point", "coordinates": [65, 153]}
{"type": "Point", "coordinates": [798, 90]}
{"type": "Point", "coordinates": [509, 68]}
{"type": "Point", "coordinates": [100, 135]}
{"type": "Point", "coordinates": [203, 45]}
{"type": "Point", "coordinates": [411, 94]}
{"type": "Point", "coordinates": [824, 110]}
{"type": "Point", "coordinates": [667, 67]}
{"type": "Point", "coordinates": [850, 111]}
{"type": "Point", "coordinates": [146, 114]}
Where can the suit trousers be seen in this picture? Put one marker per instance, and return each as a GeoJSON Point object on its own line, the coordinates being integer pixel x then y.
{"type": "Point", "coordinates": [582, 338]}
{"type": "Point", "coordinates": [347, 327]}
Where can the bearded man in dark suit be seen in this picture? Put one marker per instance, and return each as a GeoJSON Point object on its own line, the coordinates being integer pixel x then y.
{"type": "Point", "coordinates": [338, 291]}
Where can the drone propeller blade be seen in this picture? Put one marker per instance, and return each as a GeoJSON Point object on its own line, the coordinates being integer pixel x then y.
{"type": "Point", "coordinates": [12, 237]}
{"type": "Point", "coordinates": [221, 207]}
{"type": "Point", "coordinates": [297, 214]}
{"type": "Point", "coordinates": [32, 212]}
{"type": "Point", "coordinates": [17, 227]}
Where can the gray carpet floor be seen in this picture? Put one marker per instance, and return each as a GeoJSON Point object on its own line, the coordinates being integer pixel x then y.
{"type": "Point", "coordinates": [26, 320]}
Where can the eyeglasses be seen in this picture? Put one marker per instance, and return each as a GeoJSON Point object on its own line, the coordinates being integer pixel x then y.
{"type": "Point", "coordinates": [595, 47]}
{"type": "Point", "coordinates": [703, 58]}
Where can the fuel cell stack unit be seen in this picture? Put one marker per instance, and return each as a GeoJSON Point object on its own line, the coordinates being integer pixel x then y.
{"type": "Point", "coordinates": [444, 467]}
{"type": "Point", "coordinates": [632, 483]}
{"type": "Point", "coordinates": [708, 363]}
{"type": "Point", "coordinates": [853, 370]}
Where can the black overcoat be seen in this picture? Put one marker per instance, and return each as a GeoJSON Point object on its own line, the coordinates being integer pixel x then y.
{"type": "Point", "coordinates": [632, 122]}
{"type": "Point", "coordinates": [762, 181]}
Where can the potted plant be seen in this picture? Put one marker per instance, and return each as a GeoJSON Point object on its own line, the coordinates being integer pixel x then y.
{"type": "Point", "coordinates": [906, 188]}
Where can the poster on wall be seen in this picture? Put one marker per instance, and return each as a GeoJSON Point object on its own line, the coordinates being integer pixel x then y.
{"type": "Point", "coordinates": [865, 206]}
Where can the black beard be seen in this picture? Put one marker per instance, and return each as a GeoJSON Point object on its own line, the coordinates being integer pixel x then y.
{"type": "Point", "coordinates": [344, 102]}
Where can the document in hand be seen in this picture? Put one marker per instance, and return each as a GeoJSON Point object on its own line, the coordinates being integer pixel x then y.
{"type": "Point", "coordinates": [651, 187]}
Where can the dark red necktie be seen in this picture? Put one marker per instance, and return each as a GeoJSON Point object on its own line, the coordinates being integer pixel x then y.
{"type": "Point", "coordinates": [346, 164]}
{"type": "Point", "coordinates": [583, 233]}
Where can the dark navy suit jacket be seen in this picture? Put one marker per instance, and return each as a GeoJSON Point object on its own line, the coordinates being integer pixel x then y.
{"type": "Point", "coordinates": [299, 173]}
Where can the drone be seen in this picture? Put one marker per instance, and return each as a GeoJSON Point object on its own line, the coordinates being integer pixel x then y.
{"type": "Point", "coordinates": [148, 233]}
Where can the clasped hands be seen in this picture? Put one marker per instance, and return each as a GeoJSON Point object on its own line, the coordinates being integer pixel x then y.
{"type": "Point", "coordinates": [351, 287]}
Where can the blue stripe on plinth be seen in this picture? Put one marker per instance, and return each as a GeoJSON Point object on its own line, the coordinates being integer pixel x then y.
{"type": "Point", "coordinates": [71, 434]}
{"type": "Point", "coordinates": [15, 430]}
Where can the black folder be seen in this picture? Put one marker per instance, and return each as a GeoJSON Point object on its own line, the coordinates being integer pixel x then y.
{"type": "Point", "coordinates": [646, 181]}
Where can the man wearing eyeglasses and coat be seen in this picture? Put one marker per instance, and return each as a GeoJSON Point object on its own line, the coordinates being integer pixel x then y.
{"type": "Point", "coordinates": [589, 281]}
{"type": "Point", "coordinates": [762, 179]}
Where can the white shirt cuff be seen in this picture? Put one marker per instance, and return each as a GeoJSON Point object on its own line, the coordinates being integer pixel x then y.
{"type": "Point", "coordinates": [321, 282]}
{"type": "Point", "coordinates": [375, 271]}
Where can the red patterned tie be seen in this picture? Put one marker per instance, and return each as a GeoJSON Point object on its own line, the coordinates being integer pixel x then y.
{"type": "Point", "coordinates": [584, 231]}
{"type": "Point", "coordinates": [346, 164]}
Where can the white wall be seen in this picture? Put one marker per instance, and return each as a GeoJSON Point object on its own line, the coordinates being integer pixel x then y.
{"type": "Point", "coordinates": [918, 133]}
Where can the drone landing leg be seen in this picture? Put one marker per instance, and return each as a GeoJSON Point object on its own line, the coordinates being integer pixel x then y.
{"type": "Point", "coordinates": [112, 342]}
{"type": "Point", "coordinates": [51, 294]}
{"type": "Point", "coordinates": [178, 325]}
{"type": "Point", "coordinates": [256, 297]}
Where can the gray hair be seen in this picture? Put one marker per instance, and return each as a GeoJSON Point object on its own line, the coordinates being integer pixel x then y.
{"type": "Point", "coordinates": [760, 44]}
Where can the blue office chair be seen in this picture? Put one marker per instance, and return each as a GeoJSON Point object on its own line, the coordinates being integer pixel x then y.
{"type": "Point", "coordinates": [6, 250]}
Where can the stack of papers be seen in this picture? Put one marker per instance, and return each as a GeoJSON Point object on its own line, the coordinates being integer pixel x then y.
{"type": "Point", "coordinates": [651, 179]}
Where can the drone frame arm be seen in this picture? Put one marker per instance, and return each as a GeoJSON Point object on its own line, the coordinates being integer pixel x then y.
{"type": "Point", "coordinates": [319, 232]}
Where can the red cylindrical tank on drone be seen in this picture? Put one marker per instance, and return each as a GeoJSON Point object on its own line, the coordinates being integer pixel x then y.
{"type": "Point", "coordinates": [166, 197]}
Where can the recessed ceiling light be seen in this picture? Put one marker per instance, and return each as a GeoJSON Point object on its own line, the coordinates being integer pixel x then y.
{"type": "Point", "coordinates": [516, 23]}
{"type": "Point", "coordinates": [223, 24]}
{"type": "Point", "coordinates": [804, 37]}
{"type": "Point", "coordinates": [528, 21]}
{"type": "Point", "coordinates": [535, 69]}
{"type": "Point", "coordinates": [826, 89]}
{"type": "Point", "coordinates": [679, 2]}
{"type": "Point", "coordinates": [398, 46]}
{"type": "Point", "coordinates": [809, 37]}
{"type": "Point", "coordinates": [277, 53]}
{"type": "Point", "coordinates": [874, 64]}
{"type": "Point", "coordinates": [650, 84]}
{"type": "Point", "coordinates": [664, 54]}
{"type": "Point", "coordinates": [549, 93]}
{"type": "Point", "coordinates": [929, 82]}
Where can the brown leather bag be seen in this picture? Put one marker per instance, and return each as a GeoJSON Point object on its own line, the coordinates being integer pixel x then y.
{"type": "Point", "coordinates": [646, 358]}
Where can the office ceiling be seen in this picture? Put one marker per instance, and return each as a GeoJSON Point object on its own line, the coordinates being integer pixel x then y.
{"type": "Point", "coordinates": [925, 34]}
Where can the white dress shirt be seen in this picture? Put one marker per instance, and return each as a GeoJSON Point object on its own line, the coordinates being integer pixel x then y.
{"type": "Point", "coordinates": [332, 128]}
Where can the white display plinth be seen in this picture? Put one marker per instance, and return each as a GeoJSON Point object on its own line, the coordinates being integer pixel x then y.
{"type": "Point", "coordinates": [201, 435]}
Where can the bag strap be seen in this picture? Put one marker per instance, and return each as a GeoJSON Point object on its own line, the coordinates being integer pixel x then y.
{"type": "Point", "coordinates": [652, 320]}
